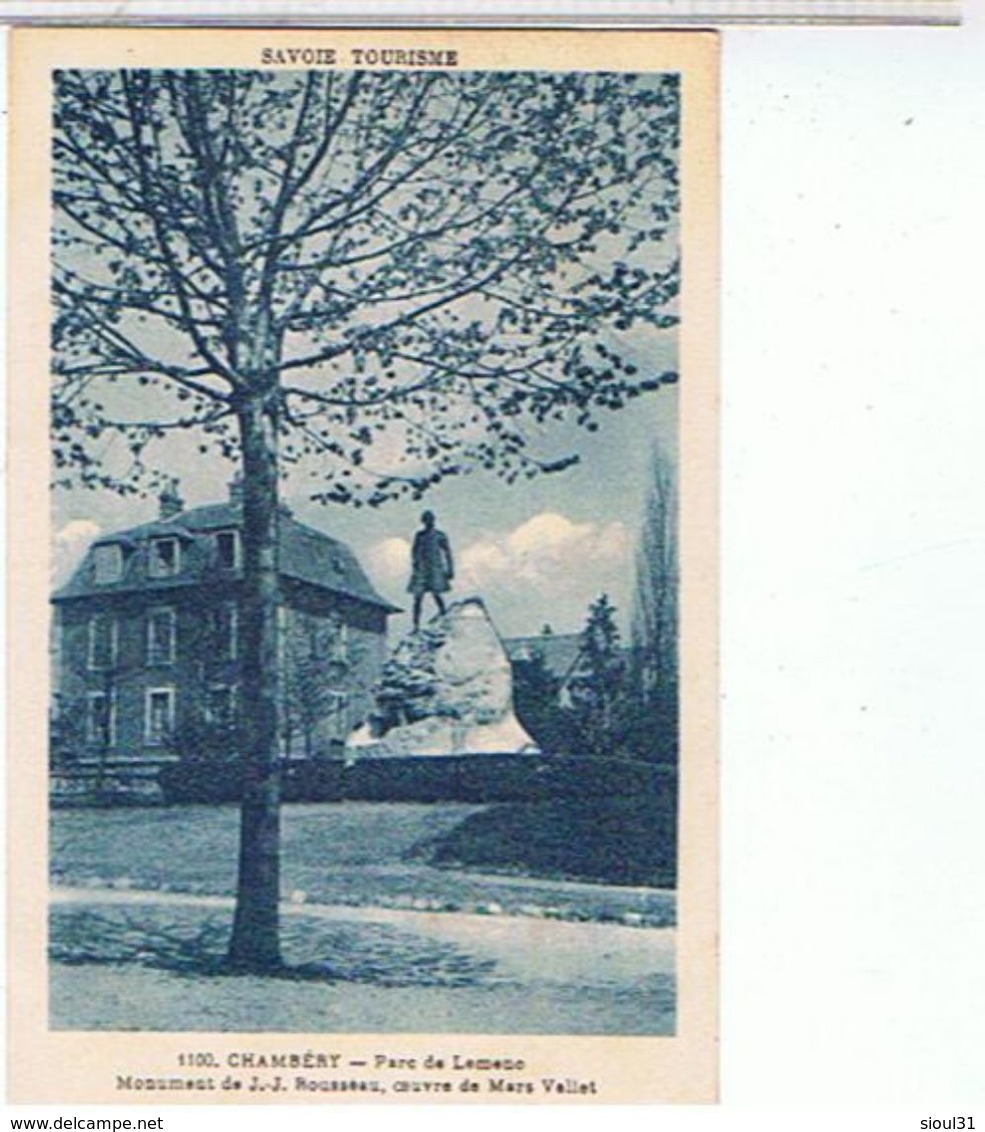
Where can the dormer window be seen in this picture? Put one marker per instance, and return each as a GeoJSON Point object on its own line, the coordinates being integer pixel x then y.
{"type": "Point", "coordinates": [107, 563]}
{"type": "Point", "coordinates": [164, 557]}
{"type": "Point", "coordinates": [227, 550]}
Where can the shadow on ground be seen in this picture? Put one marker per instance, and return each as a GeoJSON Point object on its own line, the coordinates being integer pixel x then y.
{"type": "Point", "coordinates": [193, 942]}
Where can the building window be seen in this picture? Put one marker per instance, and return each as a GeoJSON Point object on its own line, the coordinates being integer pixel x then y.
{"type": "Point", "coordinates": [161, 636]}
{"type": "Point", "coordinates": [107, 563]}
{"type": "Point", "coordinates": [220, 705]}
{"type": "Point", "coordinates": [337, 714]}
{"type": "Point", "coordinates": [100, 719]}
{"type": "Point", "coordinates": [227, 550]}
{"type": "Point", "coordinates": [223, 631]}
{"type": "Point", "coordinates": [340, 642]}
{"type": "Point", "coordinates": [102, 642]}
{"type": "Point", "coordinates": [164, 557]}
{"type": "Point", "coordinates": [158, 716]}
{"type": "Point", "coordinates": [328, 640]}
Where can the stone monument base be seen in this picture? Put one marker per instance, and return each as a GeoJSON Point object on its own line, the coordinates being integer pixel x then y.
{"type": "Point", "coordinates": [446, 690]}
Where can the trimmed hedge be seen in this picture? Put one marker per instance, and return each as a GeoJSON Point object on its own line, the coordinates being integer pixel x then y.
{"type": "Point", "coordinates": [465, 778]}
{"type": "Point", "coordinates": [201, 781]}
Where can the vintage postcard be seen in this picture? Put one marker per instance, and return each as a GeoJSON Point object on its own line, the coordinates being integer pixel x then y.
{"type": "Point", "coordinates": [363, 567]}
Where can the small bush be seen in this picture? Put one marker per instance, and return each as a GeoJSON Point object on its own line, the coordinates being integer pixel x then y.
{"type": "Point", "coordinates": [468, 778]}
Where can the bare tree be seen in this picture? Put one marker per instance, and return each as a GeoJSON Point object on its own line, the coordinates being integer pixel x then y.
{"type": "Point", "coordinates": [314, 270]}
{"type": "Point", "coordinates": [82, 724]}
{"type": "Point", "coordinates": [319, 663]}
{"type": "Point", "coordinates": [655, 665]}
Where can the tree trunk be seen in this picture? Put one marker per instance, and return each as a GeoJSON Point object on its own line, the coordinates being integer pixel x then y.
{"type": "Point", "coordinates": [255, 945]}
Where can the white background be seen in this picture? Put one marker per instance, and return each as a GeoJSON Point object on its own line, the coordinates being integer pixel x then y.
{"type": "Point", "coordinates": [853, 383]}
{"type": "Point", "coordinates": [854, 568]}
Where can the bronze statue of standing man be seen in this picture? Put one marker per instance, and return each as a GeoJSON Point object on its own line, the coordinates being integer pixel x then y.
{"type": "Point", "coordinates": [432, 568]}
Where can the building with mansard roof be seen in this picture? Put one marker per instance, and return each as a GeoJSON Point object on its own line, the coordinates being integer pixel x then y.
{"type": "Point", "coordinates": [146, 650]}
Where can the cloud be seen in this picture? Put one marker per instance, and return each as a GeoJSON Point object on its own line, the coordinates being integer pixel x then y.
{"type": "Point", "coordinates": [549, 568]}
{"type": "Point", "coordinates": [69, 544]}
{"type": "Point", "coordinates": [389, 560]}
{"type": "Point", "coordinates": [542, 550]}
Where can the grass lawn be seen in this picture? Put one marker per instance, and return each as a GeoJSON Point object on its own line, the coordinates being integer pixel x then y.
{"type": "Point", "coordinates": [350, 853]}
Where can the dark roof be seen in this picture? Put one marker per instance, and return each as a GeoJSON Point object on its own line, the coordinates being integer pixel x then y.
{"type": "Point", "coordinates": [306, 555]}
{"type": "Point", "coordinates": [559, 650]}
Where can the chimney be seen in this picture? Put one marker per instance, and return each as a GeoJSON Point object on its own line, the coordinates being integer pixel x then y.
{"type": "Point", "coordinates": [170, 501]}
{"type": "Point", "coordinates": [236, 491]}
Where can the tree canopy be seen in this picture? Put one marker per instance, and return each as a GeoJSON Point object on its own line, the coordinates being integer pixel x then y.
{"type": "Point", "coordinates": [409, 269]}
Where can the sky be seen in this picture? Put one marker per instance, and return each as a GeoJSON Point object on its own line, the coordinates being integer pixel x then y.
{"type": "Point", "coordinates": [538, 552]}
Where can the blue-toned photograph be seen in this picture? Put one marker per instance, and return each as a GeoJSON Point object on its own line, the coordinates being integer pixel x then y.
{"type": "Point", "coordinates": [365, 615]}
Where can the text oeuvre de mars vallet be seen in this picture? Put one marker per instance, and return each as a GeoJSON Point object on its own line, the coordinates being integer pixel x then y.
{"type": "Point", "coordinates": [248, 1073]}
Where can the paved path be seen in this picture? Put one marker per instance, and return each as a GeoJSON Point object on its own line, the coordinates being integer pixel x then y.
{"type": "Point", "coordinates": [382, 969]}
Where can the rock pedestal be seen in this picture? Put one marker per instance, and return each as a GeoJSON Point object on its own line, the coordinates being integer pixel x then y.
{"type": "Point", "coordinates": [446, 690]}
